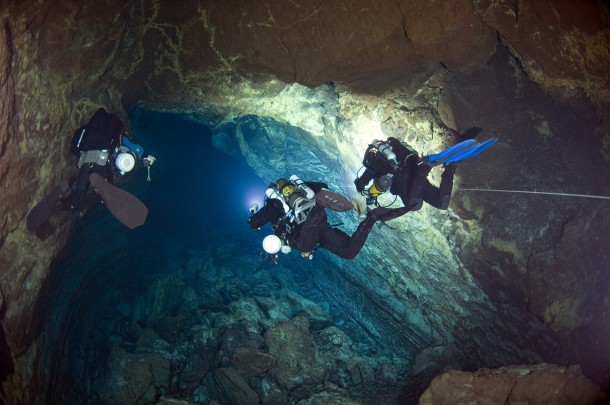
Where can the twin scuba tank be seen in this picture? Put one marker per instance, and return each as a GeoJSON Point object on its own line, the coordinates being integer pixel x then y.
{"type": "Point", "coordinates": [124, 159]}
{"type": "Point", "coordinates": [385, 150]}
{"type": "Point", "coordinates": [297, 198]}
{"type": "Point", "coordinates": [383, 183]}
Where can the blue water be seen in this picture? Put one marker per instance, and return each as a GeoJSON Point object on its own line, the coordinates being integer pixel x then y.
{"type": "Point", "coordinates": [196, 192]}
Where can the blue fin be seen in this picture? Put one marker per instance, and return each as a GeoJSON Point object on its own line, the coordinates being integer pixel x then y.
{"type": "Point", "coordinates": [438, 157]}
{"type": "Point", "coordinates": [470, 152]}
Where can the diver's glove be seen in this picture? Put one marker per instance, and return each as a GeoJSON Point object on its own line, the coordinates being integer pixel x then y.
{"type": "Point", "coordinates": [149, 160]}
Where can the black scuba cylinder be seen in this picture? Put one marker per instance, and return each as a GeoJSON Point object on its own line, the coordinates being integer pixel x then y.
{"type": "Point", "coordinates": [380, 186]}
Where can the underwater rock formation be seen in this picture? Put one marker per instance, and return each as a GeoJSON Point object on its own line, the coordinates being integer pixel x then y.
{"type": "Point", "coordinates": [423, 71]}
{"type": "Point", "coordinates": [267, 344]}
{"type": "Point", "coordinates": [514, 384]}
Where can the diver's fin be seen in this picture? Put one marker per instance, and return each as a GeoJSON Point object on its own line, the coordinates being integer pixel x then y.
{"type": "Point", "coordinates": [333, 201]}
{"type": "Point", "coordinates": [125, 207]}
{"type": "Point", "coordinates": [470, 152]}
{"type": "Point", "coordinates": [441, 156]}
{"type": "Point", "coordinates": [45, 208]}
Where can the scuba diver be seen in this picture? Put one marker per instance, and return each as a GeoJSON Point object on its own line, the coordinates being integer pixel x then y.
{"type": "Point", "coordinates": [102, 147]}
{"type": "Point", "coordinates": [395, 166]}
{"type": "Point", "coordinates": [296, 211]}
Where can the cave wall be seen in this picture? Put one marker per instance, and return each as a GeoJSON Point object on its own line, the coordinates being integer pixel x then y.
{"type": "Point", "coordinates": [59, 61]}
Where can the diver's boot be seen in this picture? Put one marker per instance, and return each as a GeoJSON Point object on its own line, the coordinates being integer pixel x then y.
{"type": "Point", "coordinates": [415, 199]}
{"type": "Point", "coordinates": [446, 186]}
{"type": "Point", "coordinates": [386, 214]}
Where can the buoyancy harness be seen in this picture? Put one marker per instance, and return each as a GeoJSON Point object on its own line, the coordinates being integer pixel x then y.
{"type": "Point", "coordinates": [102, 139]}
{"type": "Point", "coordinates": [382, 160]}
{"type": "Point", "coordinates": [297, 200]}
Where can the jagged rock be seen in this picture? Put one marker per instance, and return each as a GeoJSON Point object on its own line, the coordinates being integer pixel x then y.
{"type": "Point", "coordinates": [162, 299]}
{"type": "Point", "coordinates": [204, 335]}
{"type": "Point", "coordinates": [331, 395]}
{"type": "Point", "coordinates": [233, 337]}
{"type": "Point", "coordinates": [297, 356]}
{"type": "Point", "coordinates": [299, 393]}
{"type": "Point", "coordinates": [237, 336]}
{"type": "Point", "coordinates": [150, 342]}
{"type": "Point", "coordinates": [435, 358]}
{"type": "Point", "coordinates": [172, 401]}
{"type": "Point", "coordinates": [540, 31]}
{"type": "Point", "coordinates": [134, 379]}
{"type": "Point", "coordinates": [270, 392]}
{"type": "Point", "coordinates": [356, 374]}
{"type": "Point", "coordinates": [201, 394]}
{"type": "Point", "coordinates": [246, 310]}
{"type": "Point", "coordinates": [251, 362]}
{"type": "Point", "coordinates": [169, 327]}
{"type": "Point", "coordinates": [449, 32]}
{"type": "Point", "coordinates": [318, 317]}
{"type": "Point", "coordinates": [335, 343]}
{"type": "Point", "coordinates": [235, 387]}
{"type": "Point", "coordinates": [196, 365]}
{"type": "Point", "coordinates": [286, 304]}
{"type": "Point", "coordinates": [541, 384]}
{"type": "Point", "coordinates": [275, 310]}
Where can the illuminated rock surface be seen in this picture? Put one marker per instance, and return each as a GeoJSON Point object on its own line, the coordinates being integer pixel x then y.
{"type": "Point", "coordinates": [515, 384]}
{"type": "Point", "coordinates": [501, 279]}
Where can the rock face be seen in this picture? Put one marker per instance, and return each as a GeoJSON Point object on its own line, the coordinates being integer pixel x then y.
{"type": "Point", "coordinates": [297, 353]}
{"type": "Point", "coordinates": [409, 64]}
{"type": "Point", "coordinates": [134, 379]}
{"type": "Point", "coordinates": [514, 384]}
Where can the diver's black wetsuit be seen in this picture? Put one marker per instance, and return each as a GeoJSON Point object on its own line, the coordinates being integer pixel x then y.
{"type": "Point", "coordinates": [409, 180]}
{"type": "Point", "coordinates": [102, 132]}
{"type": "Point", "coordinates": [315, 229]}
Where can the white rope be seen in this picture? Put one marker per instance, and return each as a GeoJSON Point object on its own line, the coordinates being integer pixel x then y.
{"type": "Point", "coordinates": [535, 192]}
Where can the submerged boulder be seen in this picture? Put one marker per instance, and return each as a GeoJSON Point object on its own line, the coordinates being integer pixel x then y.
{"type": "Point", "coordinates": [534, 384]}
{"type": "Point", "coordinates": [298, 361]}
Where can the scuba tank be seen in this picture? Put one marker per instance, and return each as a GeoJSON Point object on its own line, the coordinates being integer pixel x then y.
{"type": "Point", "coordinates": [272, 193]}
{"type": "Point", "coordinates": [379, 186]}
{"type": "Point", "coordinates": [296, 200]}
{"type": "Point", "coordinates": [302, 187]}
{"type": "Point", "coordinates": [385, 149]}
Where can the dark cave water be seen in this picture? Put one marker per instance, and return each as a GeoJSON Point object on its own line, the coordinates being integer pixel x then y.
{"type": "Point", "coordinates": [194, 257]}
{"type": "Point", "coordinates": [198, 198]}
